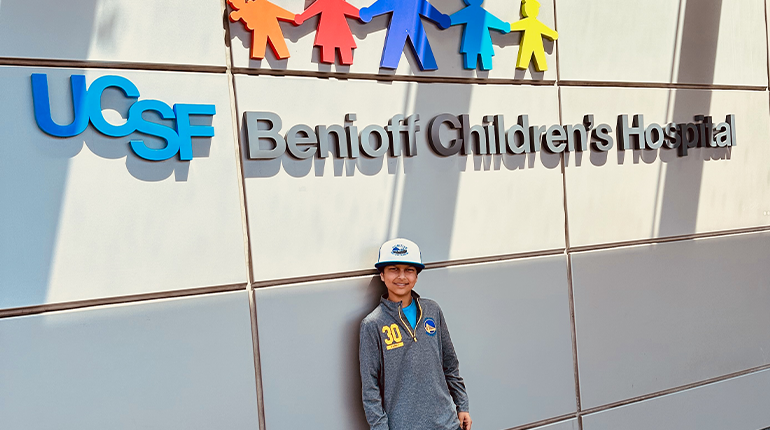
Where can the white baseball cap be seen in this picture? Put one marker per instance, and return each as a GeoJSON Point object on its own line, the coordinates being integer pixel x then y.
{"type": "Point", "coordinates": [399, 251]}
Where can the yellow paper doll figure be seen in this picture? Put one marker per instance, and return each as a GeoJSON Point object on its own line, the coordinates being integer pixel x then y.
{"type": "Point", "coordinates": [532, 39]}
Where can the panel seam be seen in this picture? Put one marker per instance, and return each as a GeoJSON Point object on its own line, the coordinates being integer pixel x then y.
{"type": "Point", "coordinates": [117, 300]}
{"type": "Point", "coordinates": [244, 221]}
{"type": "Point", "coordinates": [677, 389]}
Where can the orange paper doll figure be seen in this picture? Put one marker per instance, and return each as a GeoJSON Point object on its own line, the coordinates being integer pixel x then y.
{"type": "Point", "coordinates": [333, 30]}
{"type": "Point", "coordinates": [261, 17]}
{"type": "Point", "coordinates": [532, 39]}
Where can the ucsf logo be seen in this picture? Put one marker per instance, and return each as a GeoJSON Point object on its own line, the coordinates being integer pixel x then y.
{"type": "Point", "coordinates": [87, 104]}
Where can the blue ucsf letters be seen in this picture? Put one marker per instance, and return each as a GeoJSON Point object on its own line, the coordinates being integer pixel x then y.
{"type": "Point", "coordinates": [87, 104]}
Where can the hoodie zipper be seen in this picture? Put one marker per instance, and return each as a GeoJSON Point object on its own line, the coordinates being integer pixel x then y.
{"type": "Point", "coordinates": [406, 324]}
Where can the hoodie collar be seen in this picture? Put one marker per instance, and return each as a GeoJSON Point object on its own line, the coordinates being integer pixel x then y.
{"type": "Point", "coordinates": [395, 306]}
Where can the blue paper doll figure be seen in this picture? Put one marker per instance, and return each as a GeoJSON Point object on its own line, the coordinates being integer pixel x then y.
{"type": "Point", "coordinates": [476, 40]}
{"type": "Point", "coordinates": [404, 22]}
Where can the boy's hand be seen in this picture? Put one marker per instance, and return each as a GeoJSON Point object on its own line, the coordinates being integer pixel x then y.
{"type": "Point", "coordinates": [465, 420]}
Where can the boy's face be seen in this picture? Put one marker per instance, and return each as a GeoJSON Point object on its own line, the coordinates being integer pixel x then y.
{"type": "Point", "coordinates": [399, 279]}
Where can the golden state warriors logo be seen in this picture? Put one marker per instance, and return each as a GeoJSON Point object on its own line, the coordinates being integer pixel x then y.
{"type": "Point", "coordinates": [430, 326]}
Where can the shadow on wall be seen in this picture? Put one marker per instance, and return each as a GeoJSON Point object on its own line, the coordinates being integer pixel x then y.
{"type": "Point", "coordinates": [432, 192]}
{"type": "Point", "coordinates": [33, 177]}
{"type": "Point", "coordinates": [40, 36]}
{"type": "Point", "coordinates": [681, 192]}
{"type": "Point", "coordinates": [648, 156]}
{"type": "Point", "coordinates": [32, 191]}
{"type": "Point", "coordinates": [373, 166]}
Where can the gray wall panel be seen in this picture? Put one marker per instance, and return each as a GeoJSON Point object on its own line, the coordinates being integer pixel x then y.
{"type": "Point", "coordinates": [663, 41]}
{"type": "Point", "coordinates": [654, 317]}
{"type": "Point", "coordinates": [84, 217]}
{"type": "Point", "coordinates": [146, 31]}
{"type": "Point", "coordinates": [181, 363]}
{"type": "Point", "coordinates": [509, 323]}
{"type": "Point", "coordinates": [735, 404]}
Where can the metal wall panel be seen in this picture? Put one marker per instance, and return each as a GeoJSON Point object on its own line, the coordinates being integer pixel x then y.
{"type": "Point", "coordinates": [662, 41]}
{"type": "Point", "coordinates": [84, 217]}
{"type": "Point", "coordinates": [180, 363]}
{"type": "Point", "coordinates": [370, 39]}
{"type": "Point", "coordinates": [332, 215]}
{"type": "Point", "coordinates": [643, 194]}
{"type": "Point", "coordinates": [140, 31]}
{"type": "Point", "coordinates": [511, 332]}
{"type": "Point", "coordinates": [654, 317]}
{"type": "Point", "coordinates": [735, 404]}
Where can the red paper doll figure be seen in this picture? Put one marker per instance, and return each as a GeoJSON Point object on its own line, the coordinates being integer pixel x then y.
{"type": "Point", "coordinates": [333, 29]}
{"type": "Point", "coordinates": [261, 17]}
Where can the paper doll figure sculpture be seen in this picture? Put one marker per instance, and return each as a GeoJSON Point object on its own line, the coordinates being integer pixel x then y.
{"type": "Point", "coordinates": [532, 39]}
{"type": "Point", "coordinates": [405, 22]}
{"type": "Point", "coordinates": [261, 17]}
{"type": "Point", "coordinates": [476, 39]}
{"type": "Point", "coordinates": [333, 29]}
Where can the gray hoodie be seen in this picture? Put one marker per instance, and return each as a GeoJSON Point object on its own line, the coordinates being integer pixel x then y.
{"type": "Point", "coordinates": [410, 379]}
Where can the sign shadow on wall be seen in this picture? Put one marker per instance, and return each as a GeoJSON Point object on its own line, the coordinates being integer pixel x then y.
{"type": "Point", "coordinates": [647, 156]}
{"type": "Point", "coordinates": [373, 166]}
{"type": "Point", "coordinates": [681, 191]}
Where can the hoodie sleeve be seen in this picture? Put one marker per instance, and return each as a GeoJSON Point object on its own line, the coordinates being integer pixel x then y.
{"type": "Point", "coordinates": [371, 368]}
{"type": "Point", "coordinates": [451, 365]}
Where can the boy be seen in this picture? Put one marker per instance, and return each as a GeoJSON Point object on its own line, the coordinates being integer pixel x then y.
{"type": "Point", "coordinates": [410, 377]}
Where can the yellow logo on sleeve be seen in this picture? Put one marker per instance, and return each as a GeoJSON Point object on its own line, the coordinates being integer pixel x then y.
{"type": "Point", "coordinates": [393, 334]}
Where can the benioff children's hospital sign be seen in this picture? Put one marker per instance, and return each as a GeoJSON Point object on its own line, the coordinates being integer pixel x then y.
{"type": "Point", "coordinates": [447, 134]}
{"type": "Point", "coordinates": [450, 134]}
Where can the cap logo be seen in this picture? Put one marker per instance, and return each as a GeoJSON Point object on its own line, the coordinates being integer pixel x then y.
{"type": "Point", "coordinates": [399, 250]}
{"type": "Point", "coordinates": [430, 326]}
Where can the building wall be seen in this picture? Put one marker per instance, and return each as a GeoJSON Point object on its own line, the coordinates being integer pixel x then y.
{"type": "Point", "coordinates": [584, 290]}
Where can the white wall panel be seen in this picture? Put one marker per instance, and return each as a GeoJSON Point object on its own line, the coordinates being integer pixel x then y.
{"type": "Point", "coordinates": [321, 216]}
{"type": "Point", "coordinates": [182, 363]}
{"type": "Point", "coordinates": [656, 193]}
{"type": "Point", "coordinates": [511, 333]}
{"type": "Point", "coordinates": [735, 404]}
{"type": "Point", "coordinates": [144, 31]}
{"type": "Point", "coordinates": [370, 39]}
{"type": "Point", "coordinates": [654, 317]}
{"type": "Point", "coordinates": [663, 41]}
{"type": "Point", "coordinates": [84, 217]}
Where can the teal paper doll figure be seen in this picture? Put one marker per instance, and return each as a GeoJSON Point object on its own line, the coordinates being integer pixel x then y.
{"type": "Point", "coordinates": [476, 39]}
